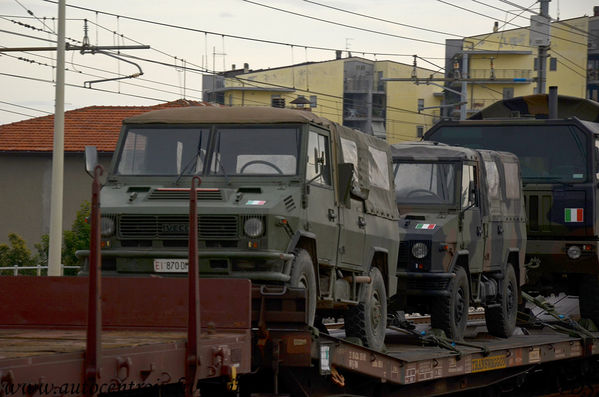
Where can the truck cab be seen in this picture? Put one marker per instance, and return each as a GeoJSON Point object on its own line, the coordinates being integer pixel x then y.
{"type": "Point", "coordinates": [462, 233]}
{"type": "Point", "coordinates": [287, 198]}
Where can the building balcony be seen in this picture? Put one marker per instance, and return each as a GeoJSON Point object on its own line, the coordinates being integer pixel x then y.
{"type": "Point", "coordinates": [500, 74]}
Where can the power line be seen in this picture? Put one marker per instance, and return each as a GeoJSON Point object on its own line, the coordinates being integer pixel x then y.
{"type": "Point", "coordinates": [31, 78]}
{"type": "Point", "coordinates": [25, 107]}
{"type": "Point", "coordinates": [509, 23]}
{"type": "Point", "coordinates": [32, 14]}
{"type": "Point", "coordinates": [19, 113]}
{"type": "Point", "coordinates": [26, 35]}
{"type": "Point", "coordinates": [524, 9]}
{"type": "Point", "coordinates": [265, 41]}
{"type": "Point", "coordinates": [582, 32]}
{"type": "Point", "coordinates": [98, 76]}
{"type": "Point", "coordinates": [381, 19]}
{"type": "Point", "coordinates": [343, 24]}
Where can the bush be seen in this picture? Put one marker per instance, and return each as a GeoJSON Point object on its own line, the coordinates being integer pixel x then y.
{"type": "Point", "coordinates": [72, 240]}
{"type": "Point", "coordinates": [16, 253]}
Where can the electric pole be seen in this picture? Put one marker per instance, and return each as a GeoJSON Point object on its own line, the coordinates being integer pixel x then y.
{"type": "Point", "coordinates": [540, 35]}
{"type": "Point", "coordinates": [55, 248]}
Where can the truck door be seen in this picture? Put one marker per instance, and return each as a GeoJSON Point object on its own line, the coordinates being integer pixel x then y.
{"type": "Point", "coordinates": [494, 235]}
{"type": "Point", "coordinates": [352, 219]}
{"type": "Point", "coordinates": [474, 225]}
{"type": "Point", "coordinates": [322, 213]}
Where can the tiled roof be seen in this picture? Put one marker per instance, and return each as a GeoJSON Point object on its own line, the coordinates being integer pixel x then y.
{"type": "Point", "coordinates": [94, 125]}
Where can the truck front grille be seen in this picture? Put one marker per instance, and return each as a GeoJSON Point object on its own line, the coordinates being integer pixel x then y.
{"type": "Point", "coordinates": [210, 227]}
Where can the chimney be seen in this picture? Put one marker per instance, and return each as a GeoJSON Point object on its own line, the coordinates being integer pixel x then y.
{"type": "Point", "coordinates": [338, 54]}
{"type": "Point", "coordinates": [552, 102]}
{"type": "Point", "coordinates": [596, 11]}
{"type": "Point", "coordinates": [246, 67]}
{"type": "Point", "coordinates": [233, 67]}
{"type": "Point", "coordinates": [495, 26]}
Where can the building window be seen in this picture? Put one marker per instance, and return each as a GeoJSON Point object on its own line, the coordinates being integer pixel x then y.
{"type": "Point", "coordinates": [313, 101]}
{"type": "Point", "coordinates": [553, 64]}
{"type": "Point", "coordinates": [508, 92]}
{"type": "Point", "coordinates": [419, 131]}
{"type": "Point", "coordinates": [536, 64]}
{"type": "Point", "coordinates": [420, 104]}
{"type": "Point", "coordinates": [277, 102]}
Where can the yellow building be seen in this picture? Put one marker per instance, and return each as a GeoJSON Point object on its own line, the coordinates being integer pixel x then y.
{"type": "Point", "coordinates": [351, 91]}
{"type": "Point", "coordinates": [504, 64]}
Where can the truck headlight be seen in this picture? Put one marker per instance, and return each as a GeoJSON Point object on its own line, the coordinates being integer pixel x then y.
{"type": "Point", "coordinates": [574, 252]}
{"type": "Point", "coordinates": [419, 250]}
{"type": "Point", "coordinates": [106, 227]}
{"type": "Point", "coordinates": [253, 227]}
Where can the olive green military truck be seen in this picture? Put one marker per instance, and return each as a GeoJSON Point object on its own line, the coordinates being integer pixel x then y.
{"type": "Point", "coordinates": [462, 232]}
{"type": "Point", "coordinates": [286, 198]}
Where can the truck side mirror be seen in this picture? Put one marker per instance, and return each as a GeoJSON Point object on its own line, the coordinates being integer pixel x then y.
{"type": "Point", "coordinates": [318, 162]}
{"type": "Point", "coordinates": [345, 177]}
{"type": "Point", "coordinates": [471, 193]}
{"type": "Point", "coordinates": [91, 159]}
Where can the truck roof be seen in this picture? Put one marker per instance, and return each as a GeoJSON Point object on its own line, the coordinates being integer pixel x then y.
{"type": "Point", "coordinates": [226, 115]}
{"type": "Point", "coordinates": [537, 106]}
{"type": "Point", "coordinates": [591, 126]}
{"type": "Point", "coordinates": [428, 150]}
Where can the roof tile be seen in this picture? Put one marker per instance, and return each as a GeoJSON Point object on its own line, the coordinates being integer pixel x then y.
{"type": "Point", "coordinates": [93, 125]}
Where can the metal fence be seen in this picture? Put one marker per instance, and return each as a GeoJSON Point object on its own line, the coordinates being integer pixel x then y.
{"type": "Point", "coordinates": [16, 269]}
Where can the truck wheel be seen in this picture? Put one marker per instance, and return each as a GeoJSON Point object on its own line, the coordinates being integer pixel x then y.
{"type": "Point", "coordinates": [302, 276]}
{"type": "Point", "coordinates": [501, 320]}
{"type": "Point", "coordinates": [588, 298]}
{"type": "Point", "coordinates": [368, 320]}
{"type": "Point", "coordinates": [450, 313]}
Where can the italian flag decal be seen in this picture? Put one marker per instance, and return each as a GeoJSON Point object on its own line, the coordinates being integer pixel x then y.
{"type": "Point", "coordinates": [426, 226]}
{"type": "Point", "coordinates": [574, 215]}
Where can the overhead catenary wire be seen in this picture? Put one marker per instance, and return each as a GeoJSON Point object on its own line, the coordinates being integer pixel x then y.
{"type": "Point", "coordinates": [398, 109]}
{"type": "Point", "coordinates": [582, 32]}
{"type": "Point", "coordinates": [524, 9]}
{"type": "Point", "coordinates": [25, 107]}
{"type": "Point", "coordinates": [14, 112]}
{"type": "Point", "coordinates": [239, 37]}
{"type": "Point", "coordinates": [509, 23]}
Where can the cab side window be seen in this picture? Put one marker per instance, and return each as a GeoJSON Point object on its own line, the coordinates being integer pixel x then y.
{"type": "Point", "coordinates": [318, 152]}
{"type": "Point", "coordinates": [468, 198]}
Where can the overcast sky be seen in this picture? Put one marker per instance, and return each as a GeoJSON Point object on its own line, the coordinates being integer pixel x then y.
{"type": "Point", "coordinates": [27, 82]}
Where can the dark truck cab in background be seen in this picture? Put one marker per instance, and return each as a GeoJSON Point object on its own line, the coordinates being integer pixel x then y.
{"type": "Point", "coordinates": [559, 162]}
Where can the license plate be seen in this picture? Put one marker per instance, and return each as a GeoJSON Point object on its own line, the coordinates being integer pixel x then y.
{"type": "Point", "coordinates": [170, 265]}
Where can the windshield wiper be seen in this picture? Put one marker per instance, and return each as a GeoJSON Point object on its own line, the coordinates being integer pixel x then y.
{"type": "Point", "coordinates": [191, 161]}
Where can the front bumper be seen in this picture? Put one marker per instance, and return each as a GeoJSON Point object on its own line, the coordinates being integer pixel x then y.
{"type": "Point", "coordinates": [553, 257]}
{"type": "Point", "coordinates": [137, 262]}
{"type": "Point", "coordinates": [425, 284]}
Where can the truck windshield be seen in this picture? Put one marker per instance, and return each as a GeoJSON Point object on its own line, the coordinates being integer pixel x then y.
{"type": "Point", "coordinates": [163, 151]}
{"type": "Point", "coordinates": [424, 183]}
{"type": "Point", "coordinates": [185, 151]}
{"type": "Point", "coordinates": [256, 151]}
{"type": "Point", "coordinates": [547, 153]}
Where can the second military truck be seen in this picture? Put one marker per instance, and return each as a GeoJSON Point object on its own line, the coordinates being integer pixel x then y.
{"type": "Point", "coordinates": [462, 233]}
{"type": "Point", "coordinates": [287, 198]}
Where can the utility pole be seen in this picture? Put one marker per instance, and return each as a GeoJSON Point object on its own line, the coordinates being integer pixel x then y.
{"type": "Point", "coordinates": [55, 244]}
{"type": "Point", "coordinates": [540, 35]}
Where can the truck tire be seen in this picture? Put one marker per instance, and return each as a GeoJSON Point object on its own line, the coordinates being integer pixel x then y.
{"type": "Point", "coordinates": [588, 298]}
{"type": "Point", "coordinates": [302, 276]}
{"type": "Point", "coordinates": [501, 320]}
{"type": "Point", "coordinates": [450, 313]}
{"type": "Point", "coordinates": [368, 320]}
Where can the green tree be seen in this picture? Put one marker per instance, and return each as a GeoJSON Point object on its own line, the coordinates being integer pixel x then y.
{"type": "Point", "coordinates": [16, 253]}
{"type": "Point", "coordinates": [77, 238]}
